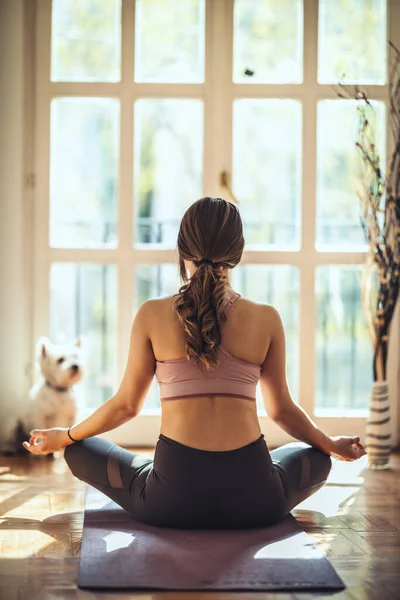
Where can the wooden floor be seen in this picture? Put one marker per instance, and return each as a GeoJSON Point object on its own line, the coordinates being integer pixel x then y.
{"type": "Point", "coordinates": [354, 518]}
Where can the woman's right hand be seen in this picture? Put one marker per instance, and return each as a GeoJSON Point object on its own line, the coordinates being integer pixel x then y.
{"type": "Point", "coordinates": [346, 447]}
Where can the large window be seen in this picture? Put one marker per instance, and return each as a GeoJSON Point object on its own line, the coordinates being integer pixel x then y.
{"type": "Point", "coordinates": [140, 107]}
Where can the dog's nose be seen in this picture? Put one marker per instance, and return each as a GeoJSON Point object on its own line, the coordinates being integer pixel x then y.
{"type": "Point", "coordinates": [74, 367]}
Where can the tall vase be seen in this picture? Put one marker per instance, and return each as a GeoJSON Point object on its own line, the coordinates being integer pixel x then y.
{"type": "Point", "coordinates": [378, 433]}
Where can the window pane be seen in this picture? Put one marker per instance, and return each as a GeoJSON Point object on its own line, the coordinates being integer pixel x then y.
{"type": "Point", "coordinates": [83, 301]}
{"type": "Point", "coordinates": [86, 40]}
{"type": "Point", "coordinates": [267, 170]}
{"type": "Point", "coordinates": [276, 285]}
{"type": "Point", "coordinates": [344, 354]}
{"type": "Point", "coordinates": [352, 41]}
{"type": "Point", "coordinates": [338, 166]}
{"type": "Point", "coordinates": [268, 41]}
{"type": "Point", "coordinates": [84, 172]}
{"type": "Point", "coordinates": [168, 166]}
{"type": "Point", "coordinates": [169, 41]}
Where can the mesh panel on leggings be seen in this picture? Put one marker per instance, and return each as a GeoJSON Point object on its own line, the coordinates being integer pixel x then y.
{"type": "Point", "coordinates": [113, 472]}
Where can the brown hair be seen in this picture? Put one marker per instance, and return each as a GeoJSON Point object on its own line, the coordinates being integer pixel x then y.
{"type": "Point", "coordinates": [210, 228]}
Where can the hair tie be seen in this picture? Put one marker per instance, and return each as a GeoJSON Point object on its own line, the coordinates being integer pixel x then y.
{"type": "Point", "coordinates": [206, 260]}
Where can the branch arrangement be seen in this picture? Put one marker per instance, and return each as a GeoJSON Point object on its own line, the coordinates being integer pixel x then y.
{"type": "Point", "coordinates": [379, 196]}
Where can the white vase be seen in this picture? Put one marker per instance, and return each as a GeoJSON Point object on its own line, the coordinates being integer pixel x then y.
{"type": "Point", "coordinates": [378, 433]}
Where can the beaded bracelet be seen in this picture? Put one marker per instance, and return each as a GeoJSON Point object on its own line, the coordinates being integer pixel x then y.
{"type": "Point", "coordinates": [70, 434]}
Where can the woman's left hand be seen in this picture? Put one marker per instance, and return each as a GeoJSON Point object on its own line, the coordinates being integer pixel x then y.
{"type": "Point", "coordinates": [46, 441]}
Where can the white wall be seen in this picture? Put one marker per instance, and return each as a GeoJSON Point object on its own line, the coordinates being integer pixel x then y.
{"type": "Point", "coordinates": [15, 239]}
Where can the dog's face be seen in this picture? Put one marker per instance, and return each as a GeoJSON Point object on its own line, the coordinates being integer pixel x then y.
{"type": "Point", "coordinates": [61, 364]}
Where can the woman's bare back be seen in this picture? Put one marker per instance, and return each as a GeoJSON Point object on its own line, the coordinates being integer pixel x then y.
{"type": "Point", "coordinates": [209, 422]}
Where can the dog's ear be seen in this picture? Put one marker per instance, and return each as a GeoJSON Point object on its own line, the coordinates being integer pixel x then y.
{"type": "Point", "coordinates": [81, 341]}
{"type": "Point", "coordinates": [41, 344]}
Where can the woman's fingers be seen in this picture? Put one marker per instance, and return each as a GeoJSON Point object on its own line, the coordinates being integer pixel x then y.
{"type": "Point", "coordinates": [31, 447]}
{"type": "Point", "coordinates": [359, 451]}
{"type": "Point", "coordinates": [36, 432]}
{"type": "Point", "coordinates": [35, 445]}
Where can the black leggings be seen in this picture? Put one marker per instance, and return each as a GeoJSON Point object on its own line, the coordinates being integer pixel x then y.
{"type": "Point", "coordinates": [185, 487]}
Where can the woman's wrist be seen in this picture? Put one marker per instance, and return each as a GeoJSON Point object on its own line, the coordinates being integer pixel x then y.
{"type": "Point", "coordinates": [328, 444]}
{"type": "Point", "coordinates": [68, 440]}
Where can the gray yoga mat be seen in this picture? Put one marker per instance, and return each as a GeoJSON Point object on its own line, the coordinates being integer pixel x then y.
{"type": "Point", "coordinates": [121, 553]}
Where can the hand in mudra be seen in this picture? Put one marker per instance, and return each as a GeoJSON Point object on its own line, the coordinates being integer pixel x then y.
{"type": "Point", "coordinates": [46, 441]}
{"type": "Point", "coordinates": [347, 447]}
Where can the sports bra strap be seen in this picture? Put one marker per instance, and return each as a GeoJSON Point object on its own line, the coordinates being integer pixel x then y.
{"type": "Point", "coordinates": [230, 302]}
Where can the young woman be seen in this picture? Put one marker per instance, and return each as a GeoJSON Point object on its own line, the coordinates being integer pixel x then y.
{"type": "Point", "coordinates": [208, 347]}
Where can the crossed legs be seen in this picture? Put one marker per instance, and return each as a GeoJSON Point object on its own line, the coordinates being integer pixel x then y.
{"type": "Point", "coordinates": [120, 474]}
{"type": "Point", "coordinates": [108, 467]}
{"type": "Point", "coordinates": [303, 470]}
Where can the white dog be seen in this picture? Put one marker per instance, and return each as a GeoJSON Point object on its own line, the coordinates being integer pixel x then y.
{"type": "Point", "coordinates": [52, 400]}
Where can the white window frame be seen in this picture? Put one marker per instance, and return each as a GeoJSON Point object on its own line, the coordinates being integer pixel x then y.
{"type": "Point", "coordinates": [218, 92]}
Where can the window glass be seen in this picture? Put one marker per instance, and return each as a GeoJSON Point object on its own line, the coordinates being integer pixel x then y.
{"type": "Point", "coordinates": [268, 41]}
{"type": "Point", "coordinates": [344, 350]}
{"type": "Point", "coordinates": [352, 41]}
{"type": "Point", "coordinates": [266, 174]}
{"type": "Point", "coordinates": [339, 168]}
{"type": "Point", "coordinates": [86, 40]}
{"type": "Point", "coordinates": [169, 41]}
{"type": "Point", "coordinates": [83, 302]}
{"type": "Point", "coordinates": [168, 166]}
{"type": "Point", "coordinates": [84, 157]}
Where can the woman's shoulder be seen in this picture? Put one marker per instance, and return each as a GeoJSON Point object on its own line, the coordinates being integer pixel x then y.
{"type": "Point", "coordinates": [159, 304]}
{"type": "Point", "coordinates": [264, 312]}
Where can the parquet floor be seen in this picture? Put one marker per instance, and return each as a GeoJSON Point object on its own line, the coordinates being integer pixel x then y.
{"type": "Point", "coordinates": [354, 518]}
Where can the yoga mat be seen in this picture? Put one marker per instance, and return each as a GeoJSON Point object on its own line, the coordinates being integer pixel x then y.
{"type": "Point", "coordinates": [120, 552]}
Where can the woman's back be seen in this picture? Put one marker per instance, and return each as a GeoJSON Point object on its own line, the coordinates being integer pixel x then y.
{"type": "Point", "coordinates": [208, 422]}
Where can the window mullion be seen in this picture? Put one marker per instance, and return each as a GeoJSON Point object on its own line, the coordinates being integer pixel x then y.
{"type": "Point", "coordinates": [307, 309]}
{"type": "Point", "coordinates": [308, 258]}
{"type": "Point", "coordinates": [209, 160]}
{"type": "Point", "coordinates": [218, 113]}
{"type": "Point", "coordinates": [124, 251]}
{"type": "Point", "coordinates": [310, 42]}
{"type": "Point", "coordinates": [127, 42]}
{"type": "Point", "coordinates": [307, 343]}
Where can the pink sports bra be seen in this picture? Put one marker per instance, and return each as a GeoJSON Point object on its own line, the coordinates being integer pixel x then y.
{"type": "Point", "coordinates": [181, 378]}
